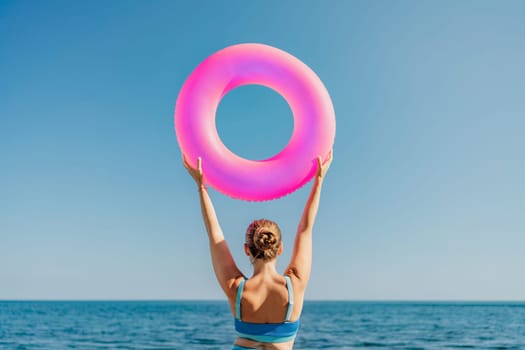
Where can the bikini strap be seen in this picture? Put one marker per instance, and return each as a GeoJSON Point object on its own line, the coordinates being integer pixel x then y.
{"type": "Point", "coordinates": [238, 299]}
{"type": "Point", "coordinates": [290, 298]}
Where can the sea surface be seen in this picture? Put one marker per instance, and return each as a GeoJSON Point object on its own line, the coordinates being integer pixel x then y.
{"type": "Point", "coordinates": [209, 325]}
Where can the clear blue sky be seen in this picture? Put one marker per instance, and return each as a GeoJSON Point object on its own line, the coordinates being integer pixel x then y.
{"type": "Point", "coordinates": [425, 198]}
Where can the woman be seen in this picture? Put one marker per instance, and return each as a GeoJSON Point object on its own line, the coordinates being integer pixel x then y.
{"type": "Point", "coordinates": [267, 306]}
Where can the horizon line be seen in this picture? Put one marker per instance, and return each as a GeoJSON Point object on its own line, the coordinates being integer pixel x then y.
{"type": "Point", "coordinates": [477, 301]}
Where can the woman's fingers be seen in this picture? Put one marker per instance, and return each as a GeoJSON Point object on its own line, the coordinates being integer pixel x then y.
{"type": "Point", "coordinates": [185, 162]}
{"type": "Point", "coordinates": [329, 160]}
{"type": "Point", "coordinates": [188, 166]}
{"type": "Point", "coordinates": [196, 173]}
{"type": "Point", "coordinates": [323, 168]}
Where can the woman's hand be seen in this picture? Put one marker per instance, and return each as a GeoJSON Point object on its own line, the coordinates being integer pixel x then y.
{"type": "Point", "coordinates": [322, 169]}
{"type": "Point", "coordinates": [196, 173]}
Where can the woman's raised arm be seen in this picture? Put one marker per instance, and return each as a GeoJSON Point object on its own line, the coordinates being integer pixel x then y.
{"type": "Point", "coordinates": [224, 266]}
{"type": "Point", "coordinates": [301, 261]}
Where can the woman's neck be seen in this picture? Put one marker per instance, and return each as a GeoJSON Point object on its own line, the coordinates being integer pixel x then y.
{"type": "Point", "coordinates": [261, 267]}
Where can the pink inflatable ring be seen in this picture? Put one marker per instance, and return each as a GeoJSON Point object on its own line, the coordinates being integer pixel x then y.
{"type": "Point", "coordinates": [313, 115]}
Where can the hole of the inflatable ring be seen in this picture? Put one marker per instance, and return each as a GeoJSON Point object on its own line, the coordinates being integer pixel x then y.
{"type": "Point", "coordinates": [254, 122]}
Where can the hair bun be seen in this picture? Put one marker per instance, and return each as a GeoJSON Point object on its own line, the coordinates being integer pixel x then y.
{"type": "Point", "coordinates": [264, 240]}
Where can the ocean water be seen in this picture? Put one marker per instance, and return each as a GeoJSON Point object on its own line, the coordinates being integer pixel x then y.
{"type": "Point", "coordinates": [209, 325]}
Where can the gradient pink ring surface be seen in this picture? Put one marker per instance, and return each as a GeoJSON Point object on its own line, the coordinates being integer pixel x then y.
{"type": "Point", "coordinates": [313, 114]}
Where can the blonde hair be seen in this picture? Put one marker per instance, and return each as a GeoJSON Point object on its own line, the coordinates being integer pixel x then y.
{"type": "Point", "coordinates": [263, 238]}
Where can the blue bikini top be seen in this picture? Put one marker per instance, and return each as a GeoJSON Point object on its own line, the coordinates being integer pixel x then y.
{"type": "Point", "coordinates": [266, 332]}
